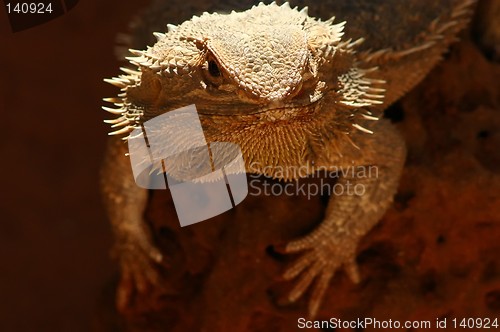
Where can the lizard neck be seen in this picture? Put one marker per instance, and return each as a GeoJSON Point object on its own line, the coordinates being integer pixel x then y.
{"type": "Point", "coordinates": [278, 143]}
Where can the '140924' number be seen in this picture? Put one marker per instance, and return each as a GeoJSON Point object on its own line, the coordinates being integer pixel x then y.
{"type": "Point", "coordinates": [475, 323]}
{"type": "Point", "coordinates": [31, 8]}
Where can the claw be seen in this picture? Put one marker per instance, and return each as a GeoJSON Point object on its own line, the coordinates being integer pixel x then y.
{"type": "Point", "coordinates": [305, 281]}
{"type": "Point", "coordinates": [318, 264]}
{"type": "Point", "coordinates": [352, 270]}
{"type": "Point", "coordinates": [138, 276]}
{"type": "Point", "coordinates": [302, 244]}
{"type": "Point", "coordinates": [124, 291]}
{"type": "Point", "coordinates": [300, 265]}
{"type": "Point", "coordinates": [143, 282]}
{"type": "Point", "coordinates": [319, 292]}
{"type": "Point", "coordinates": [155, 255]}
{"type": "Point", "coordinates": [139, 264]}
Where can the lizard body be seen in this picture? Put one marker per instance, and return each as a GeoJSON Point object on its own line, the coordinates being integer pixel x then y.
{"type": "Point", "coordinates": [290, 90]}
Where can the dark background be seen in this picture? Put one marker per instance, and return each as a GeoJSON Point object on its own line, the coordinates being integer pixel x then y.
{"type": "Point", "coordinates": [54, 237]}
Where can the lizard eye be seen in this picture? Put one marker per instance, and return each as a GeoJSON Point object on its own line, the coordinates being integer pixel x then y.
{"type": "Point", "coordinates": [212, 72]}
{"type": "Point", "coordinates": [213, 69]}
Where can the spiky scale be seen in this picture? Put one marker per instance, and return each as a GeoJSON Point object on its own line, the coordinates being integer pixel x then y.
{"type": "Point", "coordinates": [138, 53]}
{"type": "Point", "coordinates": [368, 117]}
{"type": "Point", "coordinates": [120, 131]}
{"type": "Point", "coordinates": [129, 71]}
{"type": "Point", "coordinates": [114, 121]}
{"type": "Point", "coordinates": [116, 82]}
{"type": "Point", "coordinates": [112, 100]}
{"type": "Point", "coordinates": [112, 110]}
{"type": "Point", "coordinates": [159, 36]}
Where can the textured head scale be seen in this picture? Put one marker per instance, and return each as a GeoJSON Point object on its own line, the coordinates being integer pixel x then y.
{"type": "Point", "coordinates": [251, 59]}
{"type": "Point", "coordinates": [266, 52]}
{"type": "Point", "coordinates": [267, 64]}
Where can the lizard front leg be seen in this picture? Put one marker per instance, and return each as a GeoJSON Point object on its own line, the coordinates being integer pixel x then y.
{"type": "Point", "coordinates": [125, 203]}
{"type": "Point", "coordinates": [367, 193]}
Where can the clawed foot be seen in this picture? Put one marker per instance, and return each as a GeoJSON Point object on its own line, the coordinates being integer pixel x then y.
{"type": "Point", "coordinates": [139, 263]}
{"type": "Point", "coordinates": [322, 255]}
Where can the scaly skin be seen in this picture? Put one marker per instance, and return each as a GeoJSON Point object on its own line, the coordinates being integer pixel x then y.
{"type": "Point", "coordinates": [293, 92]}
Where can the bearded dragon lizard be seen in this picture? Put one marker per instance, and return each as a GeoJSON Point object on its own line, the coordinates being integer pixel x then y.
{"type": "Point", "coordinates": [290, 90]}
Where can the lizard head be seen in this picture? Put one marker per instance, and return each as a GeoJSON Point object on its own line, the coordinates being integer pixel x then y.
{"type": "Point", "coordinates": [265, 65]}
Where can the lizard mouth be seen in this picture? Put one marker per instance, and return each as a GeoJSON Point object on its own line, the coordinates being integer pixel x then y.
{"type": "Point", "coordinates": [270, 112]}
